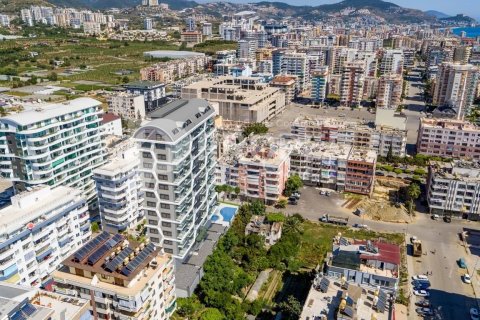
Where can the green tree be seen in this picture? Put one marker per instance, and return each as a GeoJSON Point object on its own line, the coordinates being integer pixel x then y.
{"type": "Point", "coordinates": [188, 307]}
{"type": "Point", "coordinates": [276, 217]}
{"type": "Point", "coordinates": [390, 154]}
{"type": "Point", "coordinates": [125, 79]}
{"type": "Point", "coordinates": [255, 128]}
{"type": "Point", "coordinates": [3, 112]}
{"type": "Point", "coordinates": [413, 192]}
{"type": "Point", "coordinates": [212, 314]}
{"type": "Point", "coordinates": [237, 191]}
{"type": "Point", "coordinates": [291, 308]}
{"type": "Point", "coordinates": [293, 184]}
{"type": "Point", "coordinates": [257, 208]}
{"type": "Point", "coordinates": [95, 226]}
{"type": "Point", "coordinates": [282, 203]}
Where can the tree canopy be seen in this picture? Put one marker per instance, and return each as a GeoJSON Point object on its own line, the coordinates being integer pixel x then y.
{"type": "Point", "coordinates": [255, 128]}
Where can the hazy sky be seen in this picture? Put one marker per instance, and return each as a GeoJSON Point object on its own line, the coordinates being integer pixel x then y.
{"type": "Point", "coordinates": [452, 7]}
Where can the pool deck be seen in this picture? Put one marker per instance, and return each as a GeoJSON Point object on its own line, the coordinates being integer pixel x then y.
{"type": "Point", "coordinates": [219, 217]}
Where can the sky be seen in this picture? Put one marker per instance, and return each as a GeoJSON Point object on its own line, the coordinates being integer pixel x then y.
{"type": "Point", "coordinates": [451, 7]}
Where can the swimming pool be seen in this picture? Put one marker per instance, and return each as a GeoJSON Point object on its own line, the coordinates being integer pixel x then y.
{"type": "Point", "coordinates": [228, 213]}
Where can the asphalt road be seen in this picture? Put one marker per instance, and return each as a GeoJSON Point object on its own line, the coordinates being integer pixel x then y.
{"type": "Point", "coordinates": [414, 106]}
{"type": "Point", "coordinates": [450, 297]}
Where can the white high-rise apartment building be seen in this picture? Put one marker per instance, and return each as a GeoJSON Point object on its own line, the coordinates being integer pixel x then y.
{"type": "Point", "coordinates": [455, 87]}
{"type": "Point", "coordinates": [4, 20]}
{"type": "Point", "coordinates": [53, 144]}
{"type": "Point", "coordinates": [40, 229]}
{"type": "Point", "coordinates": [389, 91]}
{"type": "Point", "coordinates": [178, 167]}
{"type": "Point", "coordinates": [119, 192]}
{"type": "Point", "coordinates": [246, 49]}
{"type": "Point", "coordinates": [392, 62]}
{"type": "Point", "coordinates": [297, 64]}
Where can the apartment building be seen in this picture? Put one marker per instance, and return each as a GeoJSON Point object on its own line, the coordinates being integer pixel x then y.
{"type": "Point", "coordinates": [351, 84]}
{"type": "Point", "coordinates": [170, 71]}
{"type": "Point", "coordinates": [38, 230]}
{"type": "Point", "coordinates": [153, 93]}
{"type": "Point", "coordinates": [53, 144]}
{"type": "Point", "coordinates": [246, 49]}
{"type": "Point", "coordinates": [392, 62]}
{"type": "Point", "coordinates": [389, 91]}
{"type": "Point", "coordinates": [118, 186]}
{"type": "Point", "coordinates": [127, 105]}
{"type": "Point", "coordinates": [379, 138]}
{"type": "Point", "coordinates": [453, 189]}
{"type": "Point", "coordinates": [243, 99]}
{"type": "Point", "coordinates": [122, 279]}
{"type": "Point", "coordinates": [288, 85]}
{"type": "Point", "coordinates": [319, 84]}
{"type": "Point", "coordinates": [191, 37]}
{"type": "Point", "coordinates": [448, 138]}
{"type": "Point", "coordinates": [259, 166]}
{"type": "Point", "coordinates": [339, 167]}
{"type": "Point", "coordinates": [455, 87]}
{"type": "Point", "coordinates": [297, 64]}
{"type": "Point", "coordinates": [178, 160]}
{"type": "Point", "coordinates": [462, 54]}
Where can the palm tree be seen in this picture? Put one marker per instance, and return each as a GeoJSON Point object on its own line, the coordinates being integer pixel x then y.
{"type": "Point", "coordinates": [413, 193]}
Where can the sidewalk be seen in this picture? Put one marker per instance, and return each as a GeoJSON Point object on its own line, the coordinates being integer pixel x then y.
{"type": "Point", "coordinates": [472, 263]}
{"type": "Point", "coordinates": [408, 291]}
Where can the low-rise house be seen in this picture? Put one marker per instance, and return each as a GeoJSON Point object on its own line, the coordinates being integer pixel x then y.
{"type": "Point", "coordinates": [271, 231]}
{"type": "Point", "coordinates": [370, 264]}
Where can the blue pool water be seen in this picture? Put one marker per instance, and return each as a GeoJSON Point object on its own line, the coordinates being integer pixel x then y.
{"type": "Point", "coordinates": [228, 213]}
{"type": "Point", "coordinates": [214, 218]}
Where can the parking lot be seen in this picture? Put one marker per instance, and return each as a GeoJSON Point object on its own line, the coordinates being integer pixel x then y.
{"type": "Point", "coordinates": [312, 205]}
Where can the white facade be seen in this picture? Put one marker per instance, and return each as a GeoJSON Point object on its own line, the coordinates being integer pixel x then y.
{"type": "Point", "coordinates": [118, 185]}
{"type": "Point", "coordinates": [453, 189]}
{"type": "Point", "coordinates": [113, 127]}
{"type": "Point", "coordinates": [40, 229]}
{"type": "Point", "coordinates": [127, 106]}
{"type": "Point", "coordinates": [54, 144]}
{"type": "Point", "coordinates": [4, 20]}
{"type": "Point", "coordinates": [392, 62]}
{"type": "Point", "coordinates": [178, 167]}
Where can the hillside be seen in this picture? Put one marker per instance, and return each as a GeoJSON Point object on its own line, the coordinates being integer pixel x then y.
{"type": "Point", "coordinates": [13, 6]}
{"type": "Point", "coordinates": [437, 14]}
{"type": "Point", "coordinates": [105, 4]}
{"type": "Point", "coordinates": [459, 18]}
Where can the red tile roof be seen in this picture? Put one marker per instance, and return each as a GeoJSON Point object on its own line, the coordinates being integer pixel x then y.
{"type": "Point", "coordinates": [387, 252]}
{"type": "Point", "coordinates": [109, 117]}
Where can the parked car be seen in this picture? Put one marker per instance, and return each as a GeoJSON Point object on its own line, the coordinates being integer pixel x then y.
{"type": "Point", "coordinates": [435, 217]}
{"type": "Point", "coordinates": [419, 276]}
{"type": "Point", "coordinates": [322, 192]}
{"type": "Point", "coordinates": [423, 303]}
{"type": "Point", "coordinates": [474, 314]}
{"type": "Point", "coordinates": [424, 311]}
{"type": "Point", "coordinates": [421, 293]}
{"type": "Point", "coordinates": [466, 278]}
{"type": "Point", "coordinates": [412, 240]}
{"type": "Point", "coordinates": [296, 195]}
{"type": "Point", "coordinates": [379, 173]}
{"type": "Point", "coordinates": [461, 263]}
{"type": "Point", "coordinates": [360, 226]}
{"type": "Point", "coordinates": [447, 219]}
{"type": "Point", "coordinates": [328, 193]}
{"type": "Point", "coordinates": [292, 200]}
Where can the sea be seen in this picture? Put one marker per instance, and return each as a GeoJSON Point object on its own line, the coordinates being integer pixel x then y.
{"type": "Point", "coordinates": [472, 32]}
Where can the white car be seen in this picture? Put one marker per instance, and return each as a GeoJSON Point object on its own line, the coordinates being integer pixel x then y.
{"type": "Point", "coordinates": [421, 293]}
{"type": "Point", "coordinates": [420, 277]}
{"type": "Point", "coordinates": [466, 278]}
{"type": "Point", "coordinates": [474, 314]}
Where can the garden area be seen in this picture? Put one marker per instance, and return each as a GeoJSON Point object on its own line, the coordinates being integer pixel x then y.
{"type": "Point", "coordinates": [238, 259]}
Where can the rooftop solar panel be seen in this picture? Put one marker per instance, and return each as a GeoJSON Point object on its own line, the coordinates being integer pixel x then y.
{"type": "Point", "coordinates": [139, 259]}
{"type": "Point", "coordinates": [98, 254]}
{"type": "Point", "coordinates": [117, 261]}
{"type": "Point", "coordinates": [83, 252]}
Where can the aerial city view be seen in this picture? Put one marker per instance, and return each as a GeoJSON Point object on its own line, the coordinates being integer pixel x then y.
{"type": "Point", "coordinates": [230, 160]}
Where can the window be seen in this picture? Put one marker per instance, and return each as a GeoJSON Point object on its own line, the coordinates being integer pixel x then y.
{"type": "Point", "coordinates": [153, 231]}
{"type": "Point", "coordinates": [161, 166]}
{"type": "Point", "coordinates": [150, 185]}
{"type": "Point", "coordinates": [168, 242]}
{"type": "Point", "coordinates": [146, 155]}
{"type": "Point", "coordinates": [164, 206]}
{"type": "Point", "coordinates": [166, 224]}
{"type": "Point", "coordinates": [160, 146]}
{"type": "Point", "coordinates": [151, 204]}
{"type": "Point", "coordinates": [162, 177]}
{"type": "Point", "coordinates": [151, 213]}
{"type": "Point", "coordinates": [150, 194]}
{"type": "Point", "coordinates": [161, 157]}
{"type": "Point", "coordinates": [147, 165]}
{"type": "Point", "coordinates": [167, 233]}
{"type": "Point", "coordinates": [168, 250]}
{"type": "Point", "coordinates": [148, 175]}
{"type": "Point", "coordinates": [166, 215]}
{"type": "Point", "coordinates": [162, 187]}
{"type": "Point", "coordinates": [164, 197]}
{"type": "Point", "coordinates": [155, 239]}
{"type": "Point", "coordinates": [152, 222]}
